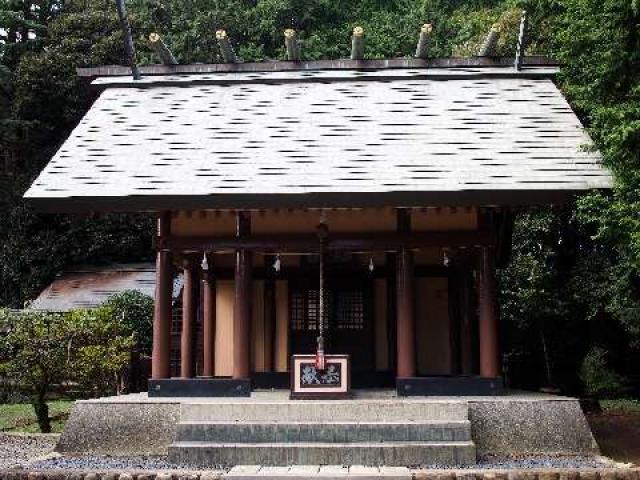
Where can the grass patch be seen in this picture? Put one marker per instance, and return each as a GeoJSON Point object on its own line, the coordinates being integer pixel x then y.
{"type": "Point", "coordinates": [20, 417]}
{"type": "Point", "coordinates": [621, 406]}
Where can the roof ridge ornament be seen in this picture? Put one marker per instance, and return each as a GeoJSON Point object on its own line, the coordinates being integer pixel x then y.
{"type": "Point", "coordinates": [357, 43]}
{"type": "Point", "coordinates": [522, 41]}
{"type": "Point", "coordinates": [128, 40]}
{"type": "Point", "coordinates": [422, 49]}
{"type": "Point", "coordinates": [292, 44]}
{"type": "Point", "coordinates": [226, 49]}
{"type": "Point", "coordinates": [161, 49]}
{"type": "Point", "coordinates": [490, 44]}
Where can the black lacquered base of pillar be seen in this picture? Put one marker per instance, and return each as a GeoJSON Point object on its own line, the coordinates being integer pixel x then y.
{"type": "Point", "coordinates": [449, 386]}
{"type": "Point", "coordinates": [200, 387]}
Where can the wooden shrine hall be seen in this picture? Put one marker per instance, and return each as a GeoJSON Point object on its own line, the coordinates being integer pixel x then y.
{"type": "Point", "coordinates": [365, 202]}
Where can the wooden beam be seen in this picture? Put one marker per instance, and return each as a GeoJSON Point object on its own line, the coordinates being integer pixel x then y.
{"type": "Point", "coordinates": [487, 315]}
{"type": "Point", "coordinates": [190, 290]}
{"type": "Point", "coordinates": [160, 361]}
{"type": "Point", "coordinates": [422, 50]}
{"type": "Point", "coordinates": [208, 323]}
{"type": "Point", "coordinates": [357, 44]}
{"type": "Point", "coordinates": [161, 49]}
{"type": "Point", "coordinates": [488, 48]}
{"type": "Point", "coordinates": [226, 49]}
{"type": "Point", "coordinates": [308, 243]}
{"type": "Point", "coordinates": [292, 44]}
{"type": "Point", "coordinates": [242, 302]}
{"type": "Point", "coordinates": [406, 327]}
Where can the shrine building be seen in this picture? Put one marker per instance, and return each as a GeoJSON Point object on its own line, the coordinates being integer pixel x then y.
{"type": "Point", "coordinates": [369, 199]}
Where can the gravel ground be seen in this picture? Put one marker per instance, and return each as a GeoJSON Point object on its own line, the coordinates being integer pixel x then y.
{"type": "Point", "coordinates": [161, 463]}
{"type": "Point", "coordinates": [107, 463]}
{"type": "Point", "coordinates": [17, 449]}
{"type": "Point", "coordinates": [531, 462]}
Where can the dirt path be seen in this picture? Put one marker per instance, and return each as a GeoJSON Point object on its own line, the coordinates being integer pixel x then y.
{"type": "Point", "coordinates": [618, 435]}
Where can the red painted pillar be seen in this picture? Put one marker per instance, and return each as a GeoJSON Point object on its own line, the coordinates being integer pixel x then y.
{"type": "Point", "coordinates": [189, 312]}
{"type": "Point", "coordinates": [160, 367]}
{"type": "Point", "coordinates": [269, 314]}
{"type": "Point", "coordinates": [406, 331]}
{"type": "Point", "coordinates": [209, 324]}
{"type": "Point", "coordinates": [487, 316]}
{"type": "Point", "coordinates": [242, 303]}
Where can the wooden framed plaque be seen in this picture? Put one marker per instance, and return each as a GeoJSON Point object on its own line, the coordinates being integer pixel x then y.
{"type": "Point", "coordinates": [333, 383]}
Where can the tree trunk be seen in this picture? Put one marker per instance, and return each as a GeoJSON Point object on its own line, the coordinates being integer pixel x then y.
{"type": "Point", "coordinates": [42, 413]}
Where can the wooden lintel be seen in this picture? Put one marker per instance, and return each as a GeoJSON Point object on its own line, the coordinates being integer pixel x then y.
{"type": "Point", "coordinates": [308, 243]}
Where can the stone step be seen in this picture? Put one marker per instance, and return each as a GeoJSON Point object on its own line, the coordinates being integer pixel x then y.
{"type": "Point", "coordinates": [326, 432]}
{"type": "Point", "coordinates": [208, 454]}
{"type": "Point", "coordinates": [318, 472]}
{"type": "Point", "coordinates": [326, 411]}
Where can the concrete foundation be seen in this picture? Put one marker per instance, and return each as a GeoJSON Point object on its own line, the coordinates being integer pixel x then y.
{"type": "Point", "coordinates": [127, 425]}
{"type": "Point", "coordinates": [521, 424]}
{"type": "Point", "coordinates": [516, 423]}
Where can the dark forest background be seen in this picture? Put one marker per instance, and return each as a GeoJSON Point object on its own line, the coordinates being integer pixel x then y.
{"type": "Point", "coordinates": [571, 295]}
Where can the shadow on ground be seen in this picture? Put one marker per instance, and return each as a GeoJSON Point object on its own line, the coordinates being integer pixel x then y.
{"type": "Point", "coordinates": [618, 435]}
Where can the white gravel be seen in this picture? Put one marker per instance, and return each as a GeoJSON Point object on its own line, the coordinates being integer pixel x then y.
{"type": "Point", "coordinates": [18, 449]}
{"type": "Point", "coordinates": [90, 462]}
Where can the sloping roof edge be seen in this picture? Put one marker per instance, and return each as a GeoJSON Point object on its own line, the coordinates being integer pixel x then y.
{"type": "Point", "coordinates": [149, 203]}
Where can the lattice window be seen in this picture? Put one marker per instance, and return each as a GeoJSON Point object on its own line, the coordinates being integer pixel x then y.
{"type": "Point", "coordinates": [174, 362]}
{"type": "Point", "coordinates": [346, 309]}
{"type": "Point", "coordinates": [350, 310]}
{"type": "Point", "coordinates": [304, 310]}
{"type": "Point", "coordinates": [176, 317]}
{"type": "Point", "coordinates": [298, 310]}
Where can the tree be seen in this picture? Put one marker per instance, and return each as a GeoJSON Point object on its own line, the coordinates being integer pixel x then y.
{"type": "Point", "coordinates": [41, 351]}
{"type": "Point", "coordinates": [35, 354]}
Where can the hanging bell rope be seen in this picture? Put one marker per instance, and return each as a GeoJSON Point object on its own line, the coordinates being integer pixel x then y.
{"type": "Point", "coordinates": [322, 237]}
{"type": "Point", "coordinates": [226, 49]}
{"type": "Point", "coordinates": [161, 49]}
{"type": "Point", "coordinates": [357, 44]}
{"type": "Point", "coordinates": [490, 44]}
{"type": "Point", "coordinates": [422, 49]}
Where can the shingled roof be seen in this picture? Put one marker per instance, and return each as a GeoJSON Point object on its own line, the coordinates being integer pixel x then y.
{"type": "Point", "coordinates": [323, 138]}
{"type": "Point", "coordinates": [90, 286]}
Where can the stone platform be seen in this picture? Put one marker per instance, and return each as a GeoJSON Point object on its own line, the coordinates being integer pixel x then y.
{"type": "Point", "coordinates": [375, 427]}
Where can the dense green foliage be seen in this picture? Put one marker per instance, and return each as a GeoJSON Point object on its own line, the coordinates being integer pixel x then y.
{"type": "Point", "coordinates": [134, 310]}
{"type": "Point", "coordinates": [574, 281]}
{"type": "Point", "coordinates": [90, 348]}
{"type": "Point", "coordinates": [34, 355]}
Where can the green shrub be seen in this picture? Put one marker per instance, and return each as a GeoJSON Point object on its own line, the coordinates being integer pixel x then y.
{"type": "Point", "coordinates": [41, 350]}
{"type": "Point", "coordinates": [35, 355]}
{"type": "Point", "coordinates": [598, 378]}
{"type": "Point", "coordinates": [134, 310]}
{"type": "Point", "coordinates": [101, 350]}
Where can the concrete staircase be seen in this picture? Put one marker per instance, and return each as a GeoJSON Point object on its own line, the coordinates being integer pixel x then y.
{"type": "Point", "coordinates": [352, 432]}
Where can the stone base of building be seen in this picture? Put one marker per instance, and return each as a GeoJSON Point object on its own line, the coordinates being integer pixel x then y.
{"type": "Point", "coordinates": [516, 423]}
{"type": "Point", "coordinates": [200, 387]}
{"type": "Point", "coordinates": [447, 386]}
